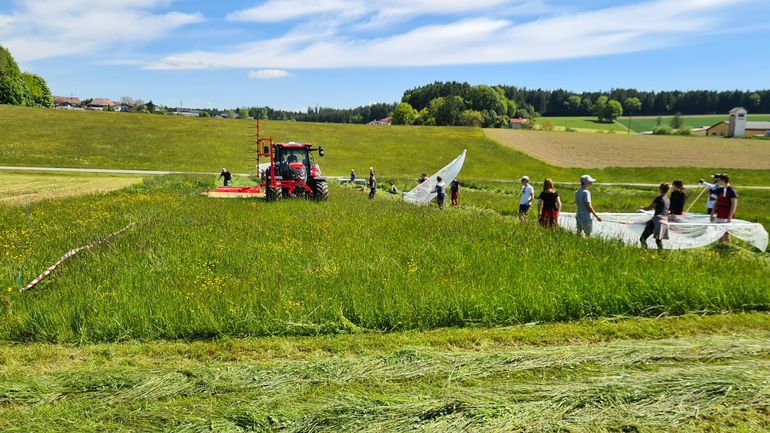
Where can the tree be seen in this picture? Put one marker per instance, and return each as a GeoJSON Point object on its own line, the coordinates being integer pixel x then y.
{"type": "Point", "coordinates": [631, 105]}
{"type": "Point", "coordinates": [243, 113]}
{"type": "Point", "coordinates": [572, 104]}
{"type": "Point", "coordinates": [446, 111]}
{"type": "Point", "coordinates": [676, 121]}
{"type": "Point", "coordinates": [612, 110]}
{"type": "Point", "coordinates": [404, 114]}
{"type": "Point", "coordinates": [150, 106]}
{"type": "Point", "coordinates": [481, 98]}
{"type": "Point", "coordinates": [600, 107]}
{"type": "Point", "coordinates": [470, 118]}
{"type": "Point", "coordinates": [13, 88]}
{"type": "Point", "coordinates": [753, 101]}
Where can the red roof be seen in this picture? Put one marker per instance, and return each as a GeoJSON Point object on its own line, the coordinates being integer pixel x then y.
{"type": "Point", "coordinates": [519, 121]}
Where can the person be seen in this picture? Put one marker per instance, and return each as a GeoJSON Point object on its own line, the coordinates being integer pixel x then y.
{"type": "Point", "coordinates": [548, 205]}
{"type": "Point", "coordinates": [372, 184]}
{"type": "Point", "coordinates": [657, 225]}
{"type": "Point", "coordinates": [227, 176]}
{"type": "Point", "coordinates": [393, 189]}
{"type": "Point", "coordinates": [678, 198]}
{"type": "Point", "coordinates": [423, 178]}
{"type": "Point", "coordinates": [440, 190]}
{"type": "Point", "coordinates": [585, 209]}
{"type": "Point", "coordinates": [713, 187]}
{"type": "Point", "coordinates": [352, 177]}
{"type": "Point", "coordinates": [454, 188]}
{"type": "Point", "coordinates": [527, 197]}
{"type": "Point", "coordinates": [725, 205]}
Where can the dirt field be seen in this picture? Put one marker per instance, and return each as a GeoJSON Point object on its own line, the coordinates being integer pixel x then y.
{"type": "Point", "coordinates": [587, 150]}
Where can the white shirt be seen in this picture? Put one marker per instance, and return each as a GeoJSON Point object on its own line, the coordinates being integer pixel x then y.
{"type": "Point", "coordinates": [527, 194]}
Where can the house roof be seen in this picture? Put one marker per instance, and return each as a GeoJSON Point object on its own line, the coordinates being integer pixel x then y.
{"type": "Point", "coordinates": [757, 125]}
{"type": "Point", "coordinates": [519, 121]}
{"type": "Point", "coordinates": [59, 100]}
{"type": "Point", "coordinates": [737, 109]}
{"type": "Point", "coordinates": [716, 124]}
{"type": "Point", "coordinates": [101, 102]}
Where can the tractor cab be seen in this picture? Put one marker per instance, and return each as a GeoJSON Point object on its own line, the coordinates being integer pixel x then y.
{"type": "Point", "coordinates": [294, 162]}
{"type": "Point", "coordinates": [293, 172]}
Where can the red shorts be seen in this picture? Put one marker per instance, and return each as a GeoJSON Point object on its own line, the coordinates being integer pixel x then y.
{"type": "Point", "coordinates": [549, 217]}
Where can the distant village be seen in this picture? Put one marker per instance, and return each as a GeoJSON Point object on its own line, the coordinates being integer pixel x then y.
{"type": "Point", "coordinates": [130, 105]}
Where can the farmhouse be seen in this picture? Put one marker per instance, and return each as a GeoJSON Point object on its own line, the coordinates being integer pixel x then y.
{"type": "Point", "coordinates": [66, 102]}
{"type": "Point", "coordinates": [382, 122]}
{"type": "Point", "coordinates": [738, 126]}
{"type": "Point", "coordinates": [101, 104]}
{"type": "Point", "coordinates": [518, 123]}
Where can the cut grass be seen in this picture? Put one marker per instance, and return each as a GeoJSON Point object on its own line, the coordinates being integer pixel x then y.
{"type": "Point", "coordinates": [690, 374]}
{"type": "Point", "coordinates": [582, 124]}
{"type": "Point", "coordinates": [602, 151]}
{"type": "Point", "coordinates": [19, 187]}
{"type": "Point", "coordinates": [201, 268]}
{"type": "Point", "coordinates": [648, 123]}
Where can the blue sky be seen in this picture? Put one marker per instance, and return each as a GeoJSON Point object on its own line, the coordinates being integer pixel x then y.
{"type": "Point", "coordinates": [293, 54]}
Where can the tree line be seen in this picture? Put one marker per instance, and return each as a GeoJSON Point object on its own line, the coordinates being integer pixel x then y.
{"type": "Point", "coordinates": [456, 103]}
{"type": "Point", "coordinates": [21, 88]}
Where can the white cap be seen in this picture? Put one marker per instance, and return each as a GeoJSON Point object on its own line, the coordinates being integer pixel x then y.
{"type": "Point", "coordinates": [586, 178]}
{"type": "Point", "coordinates": [525, 178]}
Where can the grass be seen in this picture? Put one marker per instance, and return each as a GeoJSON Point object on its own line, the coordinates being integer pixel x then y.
{"type": "Point", "coordinates": [684, 375]}
{"type": "Point", "coordinates": [648, 123]}
{"type": "Point", "coordinates": [634, 151]}
{"type": "Point", "coordinates": [20, 187]}
{"type": "Point", "coordinates": [582, 124]}
{"type": "Point", "coordinates": [201, 268]}
{"type": "Point", "coordinates": [52, 138]}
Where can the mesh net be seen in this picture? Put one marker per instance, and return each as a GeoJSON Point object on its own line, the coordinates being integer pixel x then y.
{"type": "Point", "coordinates": [686, 231]}
{"type": "Point", "coordinates": [423, 193]}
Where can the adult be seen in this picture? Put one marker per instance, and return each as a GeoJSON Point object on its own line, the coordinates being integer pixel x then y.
{"type": "Point", "coordinates": [585, 208]}
{"type": "Point", "coordinates": [372, 184]}
{"type": "Point", "coordinates": [227, 176]}
{"type": "Point", "coordinates": [678, 198]}
{"type": "Point", "coordinates": [548, 205]}
{"type": "Point", "coordinates": [440, 190]}
{"type": "Point", "coordinates": [393, 189]}
{"type": "Point", "coordinates": [527, 197]}
{"type": "Point", "coordinates": [423, 178]}
{"type": "Point", "coordinates": [713, 188]}
{"type": "Point", "coordinates": [454, 188]}
{"type": "Point", "coordinates": [657, 225]}
{"type": "Point", "coordinates": [725, 205]}
{"type": "Point", "coordinates": [352, 177]}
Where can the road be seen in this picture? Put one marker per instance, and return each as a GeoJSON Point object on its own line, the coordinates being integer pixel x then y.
{"type": "Point", "coordinates": [158, 173]}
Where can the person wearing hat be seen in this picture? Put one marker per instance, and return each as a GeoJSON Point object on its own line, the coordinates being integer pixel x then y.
{"type": "Point", "coordinates": [527, 197]}
{"type": "Point", "coordinates": [352, 177]}
{"type": "Point", "coordinates": [227, 176]}
{"type": "Point", "coordinates": [585, 209]}
{"type": "Point", "coordinates": [713, 188]}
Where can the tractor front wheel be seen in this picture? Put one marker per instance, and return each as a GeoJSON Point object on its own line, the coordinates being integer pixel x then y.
{"type": "Point", "coordinates": [320, 191]}
{"type": "Point", "coordinates": [272, 194]}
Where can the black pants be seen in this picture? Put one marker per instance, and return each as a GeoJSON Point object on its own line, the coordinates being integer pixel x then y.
{"type": "Point", "coordinates": [440, 200]}
{"type": "Point", "coordinates": [372, 192]}
{"type": "Point", "coordinates": [649, 229]}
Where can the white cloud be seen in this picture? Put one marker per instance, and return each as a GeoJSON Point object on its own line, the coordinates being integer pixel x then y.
{"type": "Point", "coordinates": [479, 38]}
{"type": "Point", "coordinates": [269, 74]}
{"type": "Point", "coordinates": [39, 29]}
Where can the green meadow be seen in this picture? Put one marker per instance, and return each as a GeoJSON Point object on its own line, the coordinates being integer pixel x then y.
{"type": "Point", "coordinates": [582, 124]}
{"type": "Point", "coordinates": [648, 123]}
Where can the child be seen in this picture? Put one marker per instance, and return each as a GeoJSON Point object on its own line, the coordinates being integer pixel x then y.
{"type": "Point", "coordinates": [678, 198]}
{"type": "Point", "coordinates": [585, 209]}
{"type": "Point", "coordinates": [658, 224]}
{"type": "Point", "coordinates": [527, 197]}
{"type": "Point", "coordinates": [393, 190]}
{"type": "Point", "coordinates": [725, 205]}
{"type": "Point", "coordinates": [372, 184]}
{"type": "Point", "coordinates": [454, 188]}
{"type": "Point", "coordinates": [440, 191]}
{"type": "Point", "coordinates": [548, 205]}
{"type": "Point", "coordinates": [713, 187]}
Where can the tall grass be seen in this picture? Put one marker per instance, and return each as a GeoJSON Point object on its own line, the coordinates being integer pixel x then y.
{"type": "Point", "coordinates": [200, 268]}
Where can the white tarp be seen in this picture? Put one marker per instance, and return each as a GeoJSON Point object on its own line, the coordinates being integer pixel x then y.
{"type": "Point", "coordinates": [687, 231]}
{"type": "Point", "coordinates": [423, 193]}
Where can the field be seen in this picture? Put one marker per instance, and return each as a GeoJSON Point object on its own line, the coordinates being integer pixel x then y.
{"type": "Point", "coordinates": [583, 124]}
{"type": "Point", "coordinates": [683, 375]}
{"type": "Point", "coordinates": [648, 123]}
{"type": "Point", "coordinates": [22, 187]}
{"type": "Point", "coordinates": [356, 314]}
{"type": "Point", "coordinates": [601, 151]}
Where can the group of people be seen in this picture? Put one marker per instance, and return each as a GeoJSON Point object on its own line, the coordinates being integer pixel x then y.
{"type": "Point", "coordinates": [440, 190]}
{"type": "Point", "coordinates": [721, 205]}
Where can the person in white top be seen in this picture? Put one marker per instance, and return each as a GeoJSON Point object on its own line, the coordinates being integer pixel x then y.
{"type": "Point", "coordinates": [527, 197]}
{"type": "Point", "coordinates": [713, 188]}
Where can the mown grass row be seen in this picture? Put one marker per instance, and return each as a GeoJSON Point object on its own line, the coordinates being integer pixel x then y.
{"type": "Point", "coordinates": [202, 268]}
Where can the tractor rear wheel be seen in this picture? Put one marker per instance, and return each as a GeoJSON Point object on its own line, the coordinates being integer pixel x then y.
{"type": "Point", "coordinates": [272, 194]}
{"type": "Point", "coordinates": [320, 191]}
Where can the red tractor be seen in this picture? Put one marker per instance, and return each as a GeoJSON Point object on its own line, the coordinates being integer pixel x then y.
{"type": "Point", "coordinates": [292, 171]}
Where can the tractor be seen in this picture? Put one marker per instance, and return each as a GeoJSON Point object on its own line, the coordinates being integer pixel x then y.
{"type": "Point", "coordinates": [291, 171]}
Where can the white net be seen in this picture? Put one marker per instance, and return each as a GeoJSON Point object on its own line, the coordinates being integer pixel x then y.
{"type": "Point", "coordinates": [423, 193]}
{"type": "Point", "coordinates": [686, 231]}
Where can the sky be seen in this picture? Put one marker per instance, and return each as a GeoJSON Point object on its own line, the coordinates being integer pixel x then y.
{"type": "Point", "coordinates": [293, 54]}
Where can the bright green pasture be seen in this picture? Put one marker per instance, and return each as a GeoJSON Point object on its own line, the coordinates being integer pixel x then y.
{"type": "Point", "coordinates": [199, 268]}
{"type": "Point", "coordinates": [58, 138]}
{"type": "Point", "coordinates": [582, 123]}
{"type": "Point", "coordinates": [648, 123]}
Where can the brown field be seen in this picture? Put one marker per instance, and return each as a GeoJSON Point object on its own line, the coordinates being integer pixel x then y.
{"type": "Point", "coordinates": [586, 150]}
{"type": "Point", "coordinates": [17, 187]}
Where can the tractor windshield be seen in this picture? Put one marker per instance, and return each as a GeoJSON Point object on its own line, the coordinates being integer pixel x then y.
{"type": "Point", "coordinates": [295, 155]}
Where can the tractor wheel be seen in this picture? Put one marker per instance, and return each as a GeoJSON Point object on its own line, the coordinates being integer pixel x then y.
{"type": "Point", "coordinates": [320, 191]}
{"type": "Point", "coordinates": [272, 194]}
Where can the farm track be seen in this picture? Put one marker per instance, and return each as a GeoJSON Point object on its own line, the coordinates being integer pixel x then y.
{"type": "Point", "coordinates": [196, 173]}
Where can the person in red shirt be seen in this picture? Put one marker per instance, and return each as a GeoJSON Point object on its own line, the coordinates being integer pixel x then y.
{"type": "Point", "coordinates": [726, 204]}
